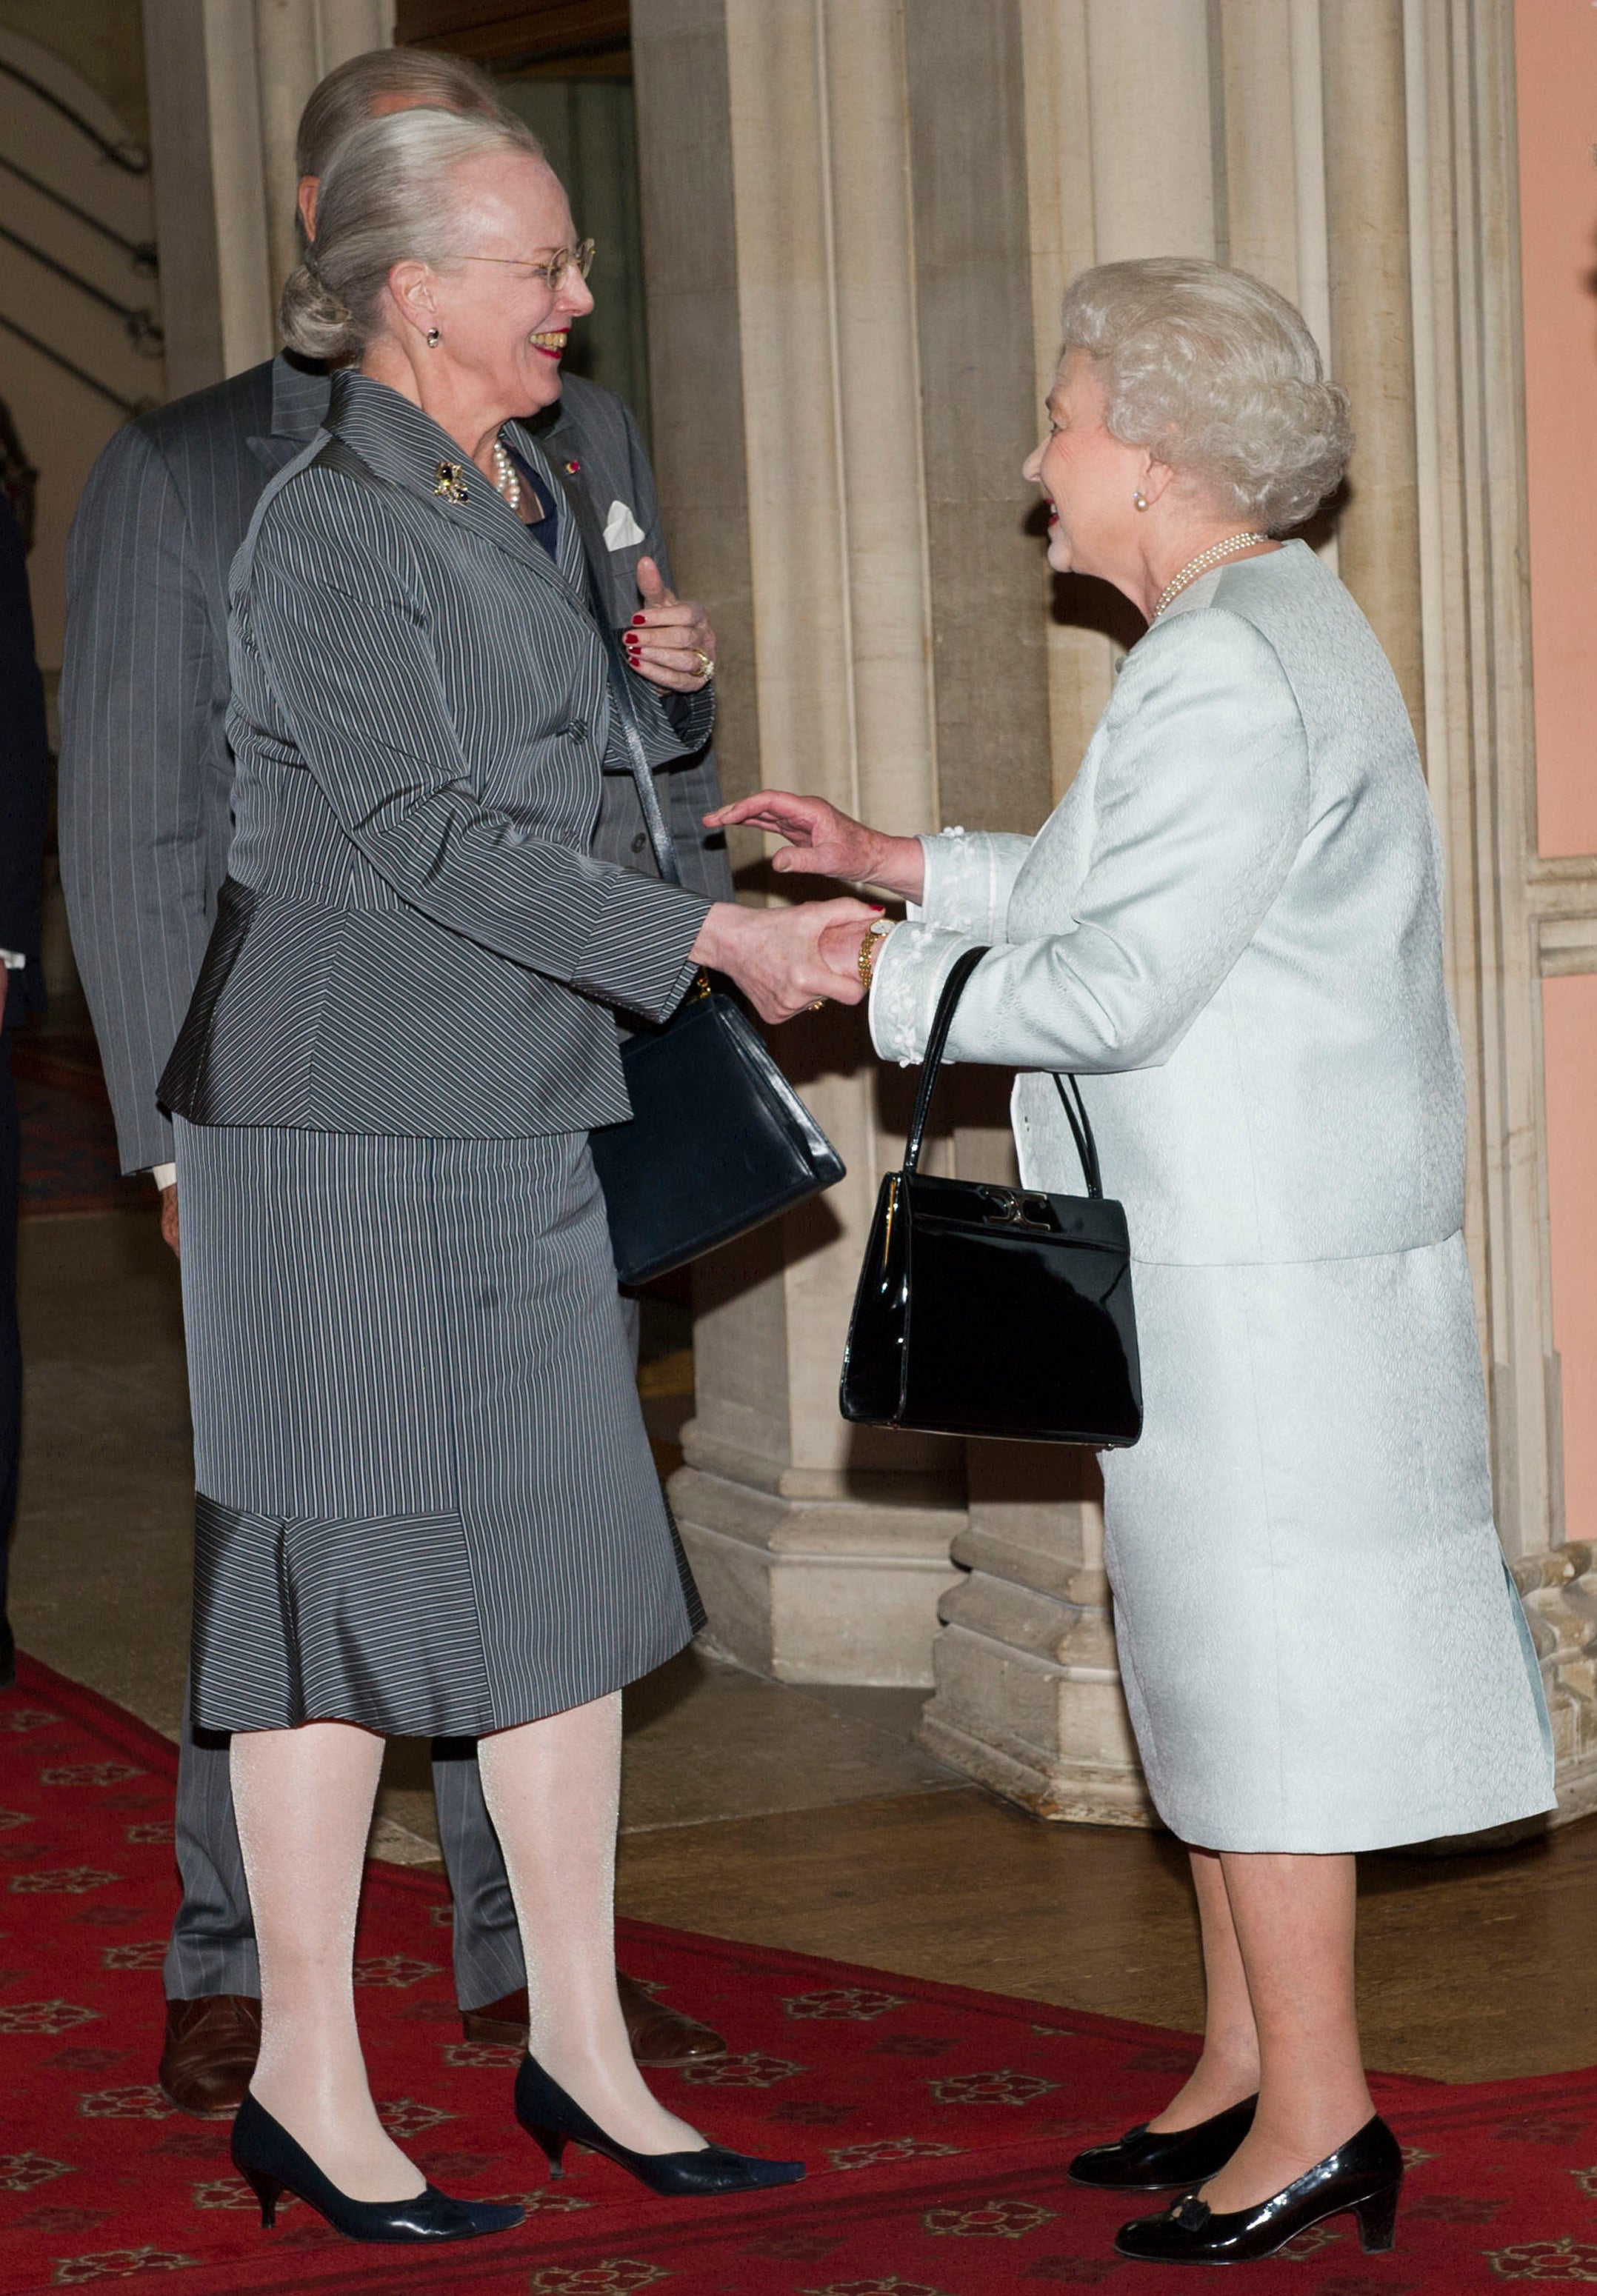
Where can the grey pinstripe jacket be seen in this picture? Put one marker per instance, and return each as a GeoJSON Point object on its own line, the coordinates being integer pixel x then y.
{"type": "Point", "coordinates": [145, 768]}
{"type": "Point", "coordinates": [413, 936]}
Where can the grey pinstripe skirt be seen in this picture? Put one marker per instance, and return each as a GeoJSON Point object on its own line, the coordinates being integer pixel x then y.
{"type": "Point", "coordinates": [427, 1501]}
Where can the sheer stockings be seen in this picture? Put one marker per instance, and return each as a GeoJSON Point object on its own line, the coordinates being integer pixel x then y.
{"type": "Point", "coordinates": [304, 1801]}
{"type": "Point", "coordinates": [1228, 2069]}
{"type": "Point", "coordinates": [553, 1789]}
{"type": "Point", "coordinates": [1278, 1940]}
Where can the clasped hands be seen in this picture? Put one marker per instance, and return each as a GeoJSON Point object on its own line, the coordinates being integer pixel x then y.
{"type": "Point", "coordinates": [786, 960]}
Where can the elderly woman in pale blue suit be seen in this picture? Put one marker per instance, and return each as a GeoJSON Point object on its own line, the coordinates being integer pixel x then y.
{"type": "Point", "coordinates": [1232, 928]}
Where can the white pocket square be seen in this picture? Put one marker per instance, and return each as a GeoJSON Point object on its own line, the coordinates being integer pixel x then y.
{"type": "Point", "coordinates": [621, 529]}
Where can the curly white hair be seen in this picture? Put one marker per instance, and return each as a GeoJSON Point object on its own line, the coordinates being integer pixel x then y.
{"type": "Point", "coordinates": [1218, 376]}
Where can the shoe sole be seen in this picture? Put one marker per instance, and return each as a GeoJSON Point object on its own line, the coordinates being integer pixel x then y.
{"type": "Point", "coordinates": [1096, 2185]}
{"type": "Point", "coordinates": [197, 2112]}
{"type": "Point", "coordinates": [1220, 2263]}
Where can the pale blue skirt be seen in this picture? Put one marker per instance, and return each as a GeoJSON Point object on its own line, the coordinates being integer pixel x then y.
{"type": "Point", "coordinates": [1320, 1644]}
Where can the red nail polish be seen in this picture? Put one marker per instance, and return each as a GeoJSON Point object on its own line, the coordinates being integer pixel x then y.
{"type": "Point", "coordinates": [636, 621]}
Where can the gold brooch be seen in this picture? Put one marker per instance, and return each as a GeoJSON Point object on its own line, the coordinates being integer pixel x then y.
{"type": "Point", "coordinates": [448, 482]}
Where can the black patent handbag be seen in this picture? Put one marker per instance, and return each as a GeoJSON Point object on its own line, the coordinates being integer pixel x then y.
{"type": "Point", "coordinates": [986, 1310]}
{"type": "Point", "coordinates": [719, 1141]}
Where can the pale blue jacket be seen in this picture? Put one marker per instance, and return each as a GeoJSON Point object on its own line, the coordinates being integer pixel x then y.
{"type": "Point", "coordinates": [1232, 928]}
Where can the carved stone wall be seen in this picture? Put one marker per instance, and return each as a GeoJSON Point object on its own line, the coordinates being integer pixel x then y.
{"type": "Point", "coordinates": [228, 80]}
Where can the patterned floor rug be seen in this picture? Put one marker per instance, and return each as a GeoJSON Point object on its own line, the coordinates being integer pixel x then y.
{"type": "Point", "coordinates": [934, 2120]}
{"type": "Point", "coordinates": [69, 1161]}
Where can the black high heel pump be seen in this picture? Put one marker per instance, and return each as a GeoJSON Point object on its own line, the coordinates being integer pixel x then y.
{"type": "Point", "coordinates": [552, 2120]}
{"type": "Point", "coordinates": [1364, 2175]}
{"type": "Point", "coordinates": [272, 2163]}
{"type": "Point", "coordinates": [1154, 2160]}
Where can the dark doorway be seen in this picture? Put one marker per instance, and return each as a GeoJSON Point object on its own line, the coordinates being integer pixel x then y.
{"type": "Point", "coordinates": [565, 67]}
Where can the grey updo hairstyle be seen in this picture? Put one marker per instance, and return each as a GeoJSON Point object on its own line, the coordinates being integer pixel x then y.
{"type": "Point", "coordinates": [1218, 376]}
{"type": "Point", "coordinates": [386, 198]}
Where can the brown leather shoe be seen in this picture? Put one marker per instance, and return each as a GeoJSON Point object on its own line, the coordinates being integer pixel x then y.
{"type": "Point", "coordinates": [660, 2035]}
{"type": "Point", "coordinates": [209, 2054]}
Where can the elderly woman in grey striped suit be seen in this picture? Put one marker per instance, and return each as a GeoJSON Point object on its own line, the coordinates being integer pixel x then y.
{"type": "Point", "coordinates": [426, 1497]}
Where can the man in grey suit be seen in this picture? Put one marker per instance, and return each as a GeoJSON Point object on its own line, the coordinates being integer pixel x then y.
{"type": "Point", "coordinates": [24, 805]}
{"type": "Point", "coordinates": [145, 826]}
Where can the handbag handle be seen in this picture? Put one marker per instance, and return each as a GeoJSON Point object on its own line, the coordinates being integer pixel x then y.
{"type": "Point", "coordinates": [660, 840]}
{"type": "Point", "coordinates": [932, 1060]}
{"type": "Point", "coordinates": [1081, 1130]}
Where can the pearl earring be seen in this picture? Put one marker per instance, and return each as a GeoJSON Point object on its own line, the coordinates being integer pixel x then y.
{"type": "Point", "coordinates": [432, 339]}
{"type": "Point", "coordinates": [1139, 500]}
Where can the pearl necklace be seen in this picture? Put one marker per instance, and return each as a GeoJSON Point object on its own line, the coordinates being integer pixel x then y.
{"type": "Point", "coordinates": [1201, 565]}
{"type": "Point", "coordinates": [505, 476]}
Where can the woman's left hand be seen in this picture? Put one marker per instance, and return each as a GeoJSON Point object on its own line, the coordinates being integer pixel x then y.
{"type": "Point", "coordinates": [670, 643]}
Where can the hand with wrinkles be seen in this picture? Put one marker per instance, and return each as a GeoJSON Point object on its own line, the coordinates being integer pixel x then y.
{"type": "Point", "coordinates": [787, 959]}
{"type": "Point", "coordinates": [821, 841]}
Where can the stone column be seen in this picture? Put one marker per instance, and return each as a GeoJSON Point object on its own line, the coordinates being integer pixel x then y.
{"type": "Point", "coordinates": [228, 79]}
{"type": "Point", "coordinates": [1504, 902]}
{"type": "Point", "coordinates": [1082, 647]}
{"type": "Point", "coordinates": [1121, 160]}
{"type": "Point", "coordinates": [1364, 111]}
{"type": "Point", "coordinates": [820, 1550]}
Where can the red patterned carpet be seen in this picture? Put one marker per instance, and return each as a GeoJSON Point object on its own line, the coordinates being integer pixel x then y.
{"type": "Point", "coordinates": [934, 2120]}
{"type": "Point", "coordinates": [69, 1161]}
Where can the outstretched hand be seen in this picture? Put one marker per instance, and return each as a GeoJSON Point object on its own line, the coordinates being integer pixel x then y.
{"type": "Point", "coordinates": [671, 641]}
{"type": "Point", "coordinates": [821, 841]}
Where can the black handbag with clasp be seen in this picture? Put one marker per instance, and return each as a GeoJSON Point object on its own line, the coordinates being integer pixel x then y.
{"type": "Point", "coordinates": [718, 1141]}
{"type": "Point", "coordinates": [986, 1310]}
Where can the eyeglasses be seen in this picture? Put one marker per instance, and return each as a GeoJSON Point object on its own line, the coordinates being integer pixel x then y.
{"type": "Point", "coordinates": [563, 260]}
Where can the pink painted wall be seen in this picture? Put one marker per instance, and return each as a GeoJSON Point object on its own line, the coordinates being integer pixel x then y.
{"type": "Point", "coordinates": [1556, 55]}
{"type": "Point", "coordinates": [1569, 1019]}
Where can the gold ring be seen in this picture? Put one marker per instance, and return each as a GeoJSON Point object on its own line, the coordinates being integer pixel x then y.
{"type": "Point", "coordinates": [707, 663]}
{"type": "Point", "coordinates": [819, 1006]}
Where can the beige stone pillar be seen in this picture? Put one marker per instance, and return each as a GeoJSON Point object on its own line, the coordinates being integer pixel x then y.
{"type": "Point", "coordinates": [1059, 179]}
{"type": "Point", "coordinates": [228, 79]}
{"type": "Point", "coordinates": [821, 1550]}
{"type": "Point", "coordinates": [1150, 88]}
{"type": "Point", "coordinates": [1121, 160]}
{"type": "Point", "coordinates": [1364, 109]}
{"type": "Point", "coordinates": [1505, 905]}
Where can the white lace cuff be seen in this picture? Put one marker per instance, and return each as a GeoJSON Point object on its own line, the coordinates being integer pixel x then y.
{"type": "Point", "coordinates": [906, 980]}
{"type": "Point", "coordinates": [968, 879]}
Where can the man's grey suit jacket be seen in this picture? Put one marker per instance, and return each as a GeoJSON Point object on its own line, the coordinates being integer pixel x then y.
{"type": "Point", "coordinates": [146, 774]}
